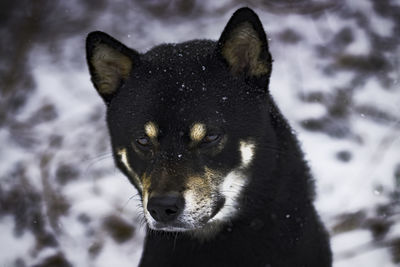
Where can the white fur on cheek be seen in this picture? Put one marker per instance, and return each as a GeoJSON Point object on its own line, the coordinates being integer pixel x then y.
{"type": "Point", "coordinates": [124, 159]}
{"type": "Point", "coordinates": [234, 182]}
{"type": "Point", "coordinates": [231, 189]}
{"type": "Point", "coordinates": [247, 153]}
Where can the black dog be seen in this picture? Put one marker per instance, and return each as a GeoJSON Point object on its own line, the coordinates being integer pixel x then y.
{"type": "Point", "coordinates": [222, 179]}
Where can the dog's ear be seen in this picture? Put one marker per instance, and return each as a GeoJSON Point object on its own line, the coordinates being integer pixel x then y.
{"type": "Point", "coordinates": [110, 63]}
{"type": "Point", "coordinates": [243, 45]}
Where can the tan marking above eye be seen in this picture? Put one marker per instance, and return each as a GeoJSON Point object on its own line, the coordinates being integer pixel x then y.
{"type": "Point", "coordinates": [197, 132]}
{"type": "Point", "coordinates": [151, 129]}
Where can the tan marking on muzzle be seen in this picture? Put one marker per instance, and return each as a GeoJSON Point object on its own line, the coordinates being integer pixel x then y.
{"type": "Point", "coordinates": [146, 182]}
{"type": "Point", "coordinates": [197, 194]}
{"type": "Point", "coordinates": [211, 174]}
{"type": "Point", "coordinates": [202, 184]}
{"type": "Point", "coordinates": [145, 192]}
{"type": "Point", "coordinates": [196, 182]}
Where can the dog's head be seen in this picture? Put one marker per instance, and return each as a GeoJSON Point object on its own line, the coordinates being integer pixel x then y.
{"type": "Point", "coordinates": [185, 120]}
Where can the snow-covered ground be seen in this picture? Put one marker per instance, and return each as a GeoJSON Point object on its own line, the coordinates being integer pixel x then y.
{"type": "Point", "coordinates": [336, 77]}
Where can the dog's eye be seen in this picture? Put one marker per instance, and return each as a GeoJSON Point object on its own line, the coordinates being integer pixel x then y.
{"type": "Point", "coordinates": [211, 138]}
{"type": "Point", "coordinates": [143, 141]}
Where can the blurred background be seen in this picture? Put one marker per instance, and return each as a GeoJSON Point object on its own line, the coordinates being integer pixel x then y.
{"type": "Point", "coordinates": [336, 77]}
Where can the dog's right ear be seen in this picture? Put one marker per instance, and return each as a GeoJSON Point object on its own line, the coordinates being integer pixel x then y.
{"type": "Point", "coordinates": [110, 63]}
{"type": "Point", "coordinates": [243, 45]}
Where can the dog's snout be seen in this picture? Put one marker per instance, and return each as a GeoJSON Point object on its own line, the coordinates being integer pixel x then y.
{"type": "Point", "coordinates": [165, 208]}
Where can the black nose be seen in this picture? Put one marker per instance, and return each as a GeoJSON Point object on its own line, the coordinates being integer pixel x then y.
{"type": "Point", "coordinates": [165, 208]}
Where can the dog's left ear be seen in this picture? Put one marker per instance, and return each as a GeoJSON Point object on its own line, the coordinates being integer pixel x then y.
{"type": "Point", "coordinates": [243, 45]}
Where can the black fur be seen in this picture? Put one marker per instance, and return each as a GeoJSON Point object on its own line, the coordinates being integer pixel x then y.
{"type": "Point", "coordinates": [175, 85]}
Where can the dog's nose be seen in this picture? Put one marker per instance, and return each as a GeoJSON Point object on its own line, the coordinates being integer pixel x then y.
{"type": "Point", "coordinates": [165, 208]}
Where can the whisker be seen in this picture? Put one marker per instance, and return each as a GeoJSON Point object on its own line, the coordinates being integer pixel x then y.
{"type": "Point", "coordinates": [175, 238]}
{"type": "Point", "coordinates": [129, 199]}
{"type": "Point", "coordinates": [96, 160]}
{"type": "Point", "coordinates": [100, 156]}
